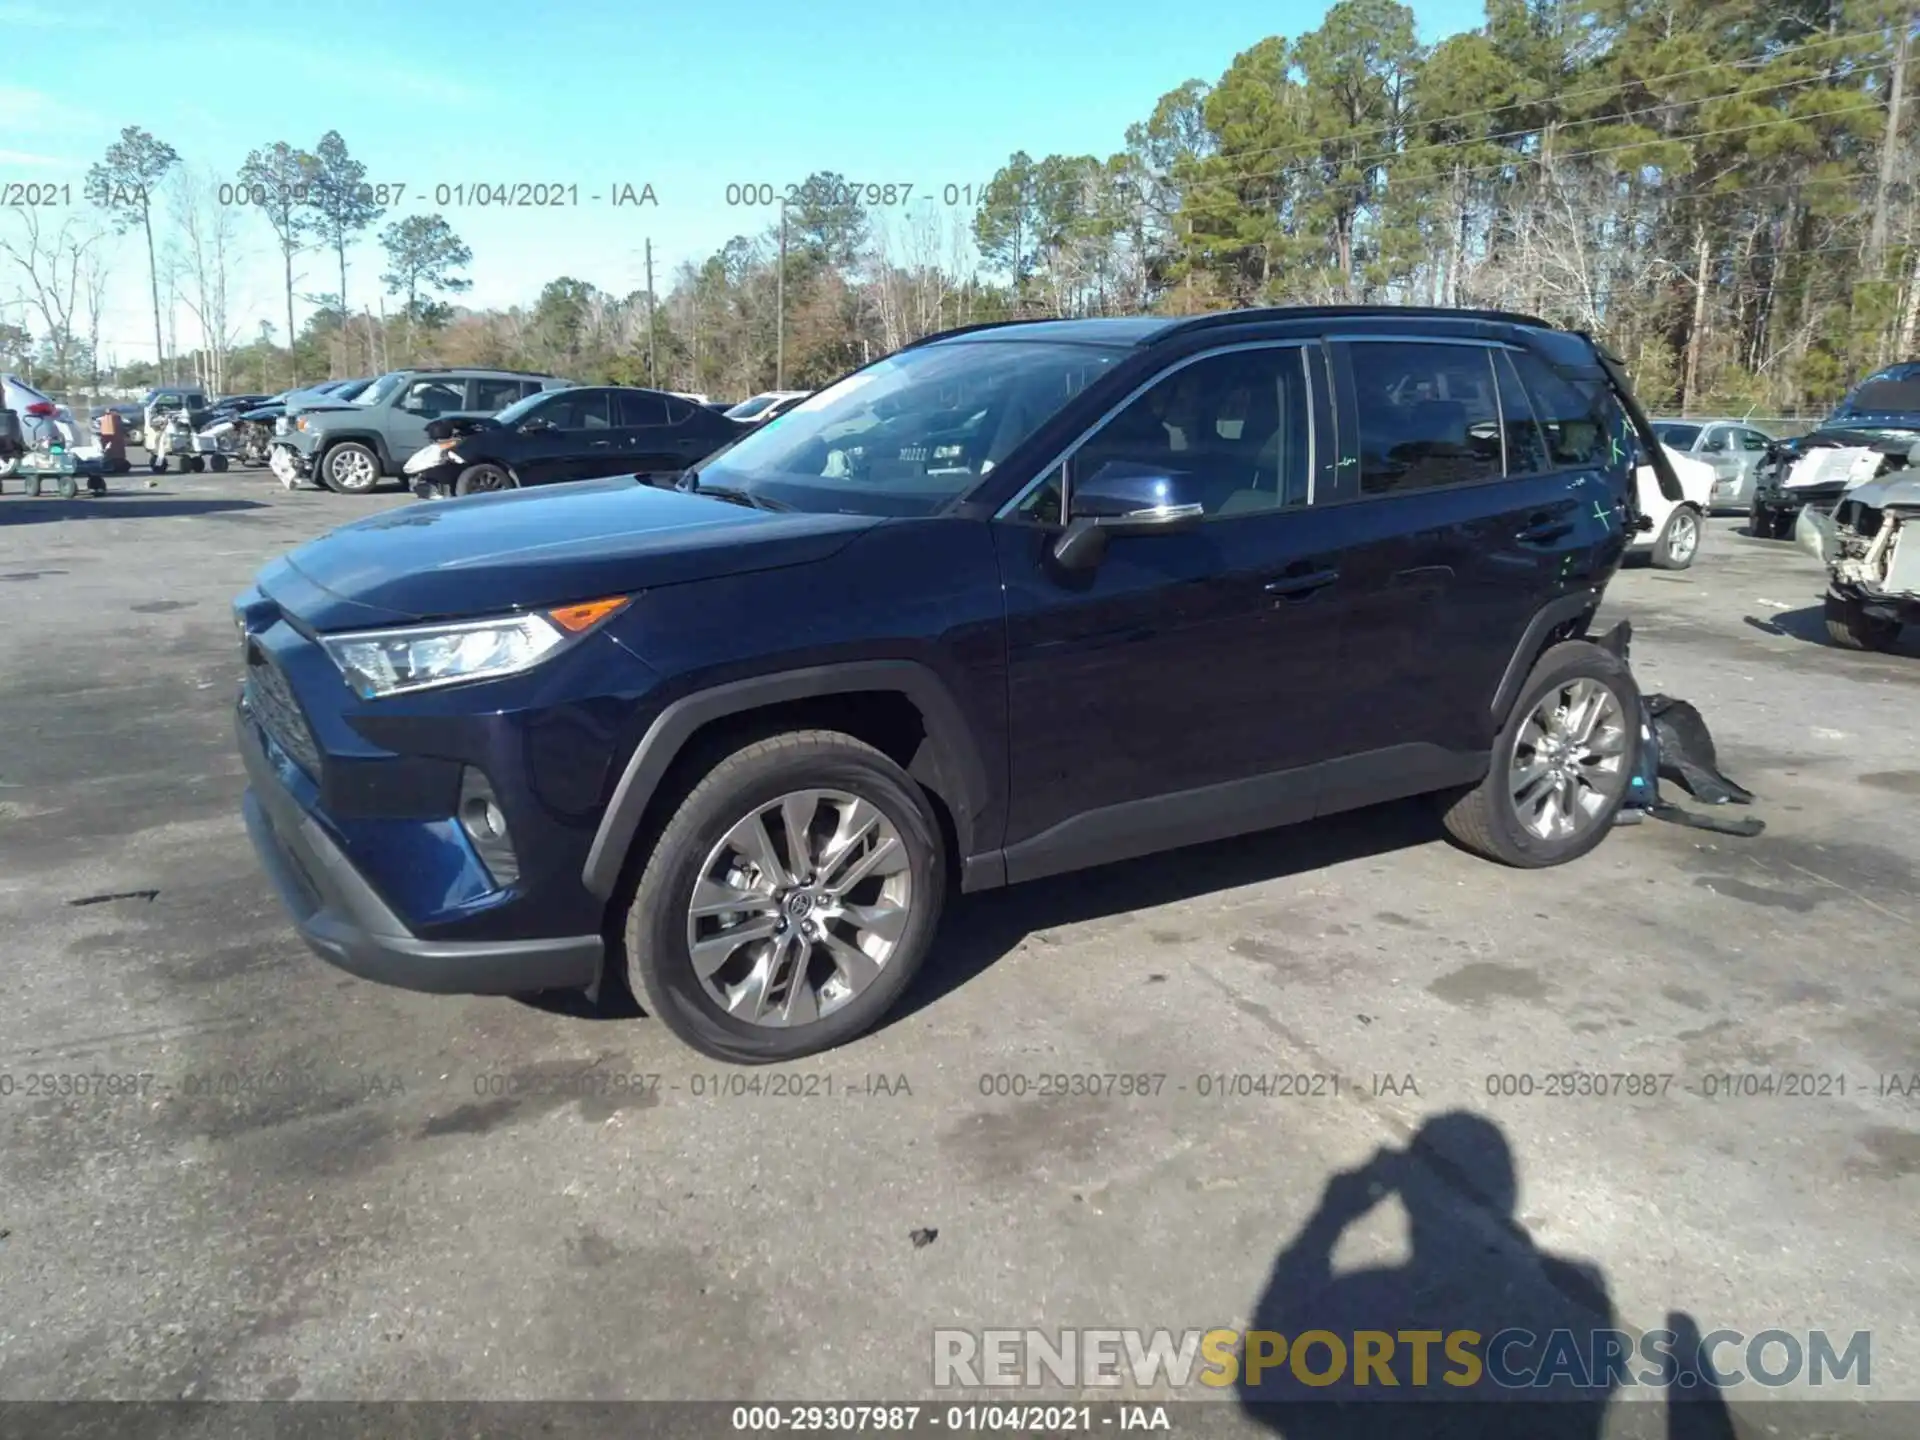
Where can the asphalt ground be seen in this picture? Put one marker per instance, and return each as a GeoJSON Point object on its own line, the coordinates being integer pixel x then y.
{"type": "Point", "coordinates": [315, 1187]}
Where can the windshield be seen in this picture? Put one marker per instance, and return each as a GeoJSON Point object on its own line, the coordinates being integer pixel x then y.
{"type": "Point", "coordinates": [747, 409]}
{"type": "Point", "coordinates": [377, 391]}
{"type": "Point", "coordinates": [909, 434]}
{"type": "Point", "coordinates": [1680, 437]}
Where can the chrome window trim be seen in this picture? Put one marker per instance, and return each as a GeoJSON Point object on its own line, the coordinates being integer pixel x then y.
{"type": "Point", "coordinates": [1381, 337]}
{"type": "Point", "coordinates": [1006, 511]}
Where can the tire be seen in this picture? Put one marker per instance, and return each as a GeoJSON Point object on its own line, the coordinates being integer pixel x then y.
{"type": "Point", "coordinates": [193, 464]}
{"type": "Point", "coordinates": [1760, 522]}
{"type": "Point", "coordinates": [1679, 542]}
{"type": "Point", "coordinates": [1851, 628]}
{"type": "Point", "coordinates": [33, 487]}
{"type": "Point", "coordinates": [66, 487]}
{"type": "Point", "coordinates": [217, 464]}
{"type": "Point", "coordinates": [660, 964]}
{"type": "Point", "coordinates": [9, 469]}
{"type": "Point", "coordinates": [350, 468]}
{"type": "Point", "coordinates": [1487, 819]}
{"type": "Point", "coordinates": [483, 479]}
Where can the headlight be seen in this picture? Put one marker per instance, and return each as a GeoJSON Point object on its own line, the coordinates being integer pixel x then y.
{"type": "Point", "coordinates": [378, 663]}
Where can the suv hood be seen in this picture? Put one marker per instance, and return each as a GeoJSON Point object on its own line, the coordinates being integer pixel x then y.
{"type": "Point", "coordinates": [548, 546]}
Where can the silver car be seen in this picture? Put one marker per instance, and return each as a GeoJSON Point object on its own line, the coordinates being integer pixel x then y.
{"type": "Point", "coordinates": [1732, 447]}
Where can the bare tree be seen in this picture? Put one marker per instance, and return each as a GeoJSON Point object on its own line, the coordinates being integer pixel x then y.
{"type": "Point", "coordinates": [52, 266]}
{"type": "Point", "coordinates": [205, 251]}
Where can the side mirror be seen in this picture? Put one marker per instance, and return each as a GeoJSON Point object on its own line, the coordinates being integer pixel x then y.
{"type": "Point", "coordinates": [1124, 497]}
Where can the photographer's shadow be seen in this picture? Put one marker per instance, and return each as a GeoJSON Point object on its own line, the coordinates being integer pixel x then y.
{"type": "Point", "coordinates": [1472, 1268]}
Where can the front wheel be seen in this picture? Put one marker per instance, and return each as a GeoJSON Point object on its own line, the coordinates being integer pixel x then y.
{"type": "Point", "coordinates": [350, 468]}
{"type": "Point", "coordinates": [217, 464]}
{"type": "Point", "coordinates": [479, 479]}
{"type": "Point", "coordinates": [1851, 628]}
{"type": "Point", "coordinates": [1560, 765]}
{"type": "Point", "coordinates": [789, 900]}
{"type": "Point", "coordinates": [1679, 542]}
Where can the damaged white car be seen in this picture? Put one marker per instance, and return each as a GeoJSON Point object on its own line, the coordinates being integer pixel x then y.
{"type": "Point", "coordinates": [1870, 545]}
{"type": "Point", "coordinates": [1676, 522]}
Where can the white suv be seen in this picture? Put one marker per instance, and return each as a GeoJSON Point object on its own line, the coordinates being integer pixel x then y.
{"type": "Point", "coordinates": [1678, 525]}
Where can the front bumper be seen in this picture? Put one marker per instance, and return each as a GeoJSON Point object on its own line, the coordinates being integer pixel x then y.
{"type": "Point", "coordinates": [344, 920]}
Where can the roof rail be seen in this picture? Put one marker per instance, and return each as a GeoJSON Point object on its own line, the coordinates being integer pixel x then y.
{"type": "Point", "coordinates": [981, 325]}
{"type": "Point", "coordinates": [1344, 312]}
{"type": "Point", "coordinates": [487, 369]}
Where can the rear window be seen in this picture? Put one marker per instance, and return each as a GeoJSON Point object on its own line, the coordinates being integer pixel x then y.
{"type": "Point", "coordinates": [1680, 437]}
{"type": "Point", "coordinates": [1428, 416]}
{"type": "Point", "coordinates": [1880, 396]}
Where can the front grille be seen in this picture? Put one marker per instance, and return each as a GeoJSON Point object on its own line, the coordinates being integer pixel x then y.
{"type": "Point", "coordinates": [271, 700]}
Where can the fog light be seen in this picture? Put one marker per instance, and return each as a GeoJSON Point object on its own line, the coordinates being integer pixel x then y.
{"type": "Point", "coordinates": [486, 825]}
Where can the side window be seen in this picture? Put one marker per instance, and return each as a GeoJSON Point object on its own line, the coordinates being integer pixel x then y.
{"type": "Point", "coordinates": [1526, 446]}
{"type": "Point", "coordinates": [576, 410]}
{"type": "Point", "coordinates": [642, 409]}
{"type": "Point", "coordinates": [1584, 425]}
{"type": "Point", "coordinates": [439, 396]}
{"type": "Point", "coordinates": [1236, 427]}
{"type": "Point", "coordinates": [1753, 441]}
{"type": "Point", "coordinates": [1427, 415]}
{"type": "Point", "coordinates": [491, 396]}
{"type": "Point", "coordinates": [1716, 442]}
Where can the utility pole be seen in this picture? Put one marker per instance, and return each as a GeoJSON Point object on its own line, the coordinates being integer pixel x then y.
{"type": "Point", "coordinates": [1890, 141]}
{"type": "Point", "coordinates": [780, 308]}
{"type": "Point", "coordinates": [651, 383]}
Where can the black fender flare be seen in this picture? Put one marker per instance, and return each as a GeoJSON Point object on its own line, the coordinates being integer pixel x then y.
{"type": "Point", "coordinates": [1550, 617]}
{"type": "Point", "coordinates": [372, 439]}
{"type": "Point", "coordinates": [962, 777]}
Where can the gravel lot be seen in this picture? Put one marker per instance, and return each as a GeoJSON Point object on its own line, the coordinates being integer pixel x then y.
{"type": "Point", "coordinates": [436, 1211]}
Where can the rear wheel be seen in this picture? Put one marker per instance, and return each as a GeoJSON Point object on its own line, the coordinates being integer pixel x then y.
{"type": "Point", "coordinates": [67, 486]}
{"type": "Point", "coordinates": [1851, 628]}
{"type": "Point", "coordinates": [350, 468]}
{"type": "Point", "coordinates": [217, 464]}
{"type": "Point", "coordinates": [1679, 542]}
{"type": "Point", "coordinates": [479, 479]}
{"type": "Point", "coordinates": [1560, 765]}
{"type": "Point", "coordinates": [788, 901]}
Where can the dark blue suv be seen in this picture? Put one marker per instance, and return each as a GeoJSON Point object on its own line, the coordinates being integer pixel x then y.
{"type": "Point", "coordinates": [1014, 600]}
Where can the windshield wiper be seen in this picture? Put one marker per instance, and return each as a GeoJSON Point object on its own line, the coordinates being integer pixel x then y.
{"type": "Point", "coordinates": [736, 497]}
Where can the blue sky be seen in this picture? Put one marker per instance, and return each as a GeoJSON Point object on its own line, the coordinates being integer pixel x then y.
{"type": "Point", "coordinates": [687, 98]}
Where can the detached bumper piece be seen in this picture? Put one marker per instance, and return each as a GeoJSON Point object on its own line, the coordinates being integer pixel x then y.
{"type": "Point", "coordinates": [344, 920]}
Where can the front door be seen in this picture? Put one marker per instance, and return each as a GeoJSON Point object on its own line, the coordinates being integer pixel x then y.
{"type": "Point", "coordinates": [427, 398]}
{"type": "Point", "coordinates": [1168, 692]}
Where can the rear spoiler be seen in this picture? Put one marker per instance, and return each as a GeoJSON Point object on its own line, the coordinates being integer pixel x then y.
{"type": "Point", "coordinates": [1656, 452]}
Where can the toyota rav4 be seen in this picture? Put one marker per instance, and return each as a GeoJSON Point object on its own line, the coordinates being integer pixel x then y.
{"type": "Point", "coordinates": [1014, 600]}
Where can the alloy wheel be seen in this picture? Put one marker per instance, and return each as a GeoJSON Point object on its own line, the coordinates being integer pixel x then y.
{"type": "Point", "coordinates": [798, 907]}
{"type": "Point", "coordinates": [1569, 760]}
{"type": "Point", "coordinates": [352, 469]}
{"type": "Point", "coordinates": [1684, 537]}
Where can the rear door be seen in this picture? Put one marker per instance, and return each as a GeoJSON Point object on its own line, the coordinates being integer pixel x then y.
{"type": "Point", "coordinates": [643, 422]}
{"type": "Point", "coordinates": [1468, 515]}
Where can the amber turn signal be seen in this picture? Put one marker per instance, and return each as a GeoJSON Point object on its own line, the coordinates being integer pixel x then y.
{"type": "Point", "coordinates": [575, 618]}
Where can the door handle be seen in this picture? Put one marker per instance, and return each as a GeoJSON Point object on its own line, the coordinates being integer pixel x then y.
{"type": "Point", "coordinates": [602, 444]}
{"type": "Point", "coordinates": [1290, 585]}
{"type": "Point", "coordinates": [1544, 532]}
